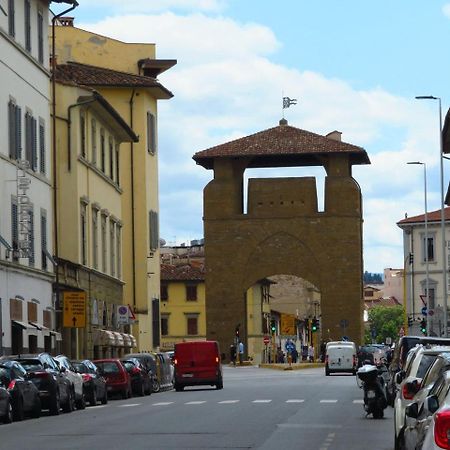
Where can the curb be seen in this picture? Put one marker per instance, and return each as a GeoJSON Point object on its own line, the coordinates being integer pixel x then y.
{"type": "Point", "coordinates": [292, 367]}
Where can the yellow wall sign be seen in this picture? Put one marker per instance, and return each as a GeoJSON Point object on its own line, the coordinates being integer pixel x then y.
{"type": "Point", "coordinates": [74, 309]}
{"type": "Point", "coordinates": [287, 325]}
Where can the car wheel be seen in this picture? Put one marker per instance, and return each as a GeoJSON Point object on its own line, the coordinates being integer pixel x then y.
{"type": "Point", "coordinates": [55, 405]}
{"type": "Point", "coordinates": [93, 398]}
{"type": "Point", "coordinates": [105, 397]}
{"type": "Point", "coordinates": [81, 403]}
{"type": "Point", "coordinates": [156, 386]}
{"type": "Point", "coordinates": [179, 387]}
{"type": "Point", "coordinates": [18, 412]}
{"type": "Point", "coordinates": [69, 406]}
{"type": "Point", "coordinates": [8, 418]}
{"type": "Point", "coordinates": [37, 408]}
{"type": "Point", "coordinates": [219, 385]}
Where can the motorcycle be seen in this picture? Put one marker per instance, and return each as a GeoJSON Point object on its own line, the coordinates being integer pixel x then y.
{"type": "Point", "coordinates": [373, 385]}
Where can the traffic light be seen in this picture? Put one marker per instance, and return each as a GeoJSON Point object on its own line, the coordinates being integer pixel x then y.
{"type": "Point", "coordinates": [236, 332]}
{"type": "Point", "coordinates": [411, 258]}
{"type": "Point", "coordinates": [410, 321]}
{"type": "Point", "coordinates": [273, 327]}
{"type": "Point", "coordinates": [423, 326]}
{"type": "Point", "coordinates": [314, 325]}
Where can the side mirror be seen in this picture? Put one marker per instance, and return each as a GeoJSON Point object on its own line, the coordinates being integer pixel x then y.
{"type": "Point", "coordinates": [399, 376]}
{"type": "Point", "coordinates": [62, 369]}
{"type": "Point", "coordinates": [431, 404]}
{"type": "Point", "coordinates": [412, 410]}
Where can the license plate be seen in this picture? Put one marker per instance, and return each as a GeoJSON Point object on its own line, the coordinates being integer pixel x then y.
{"type": "Point", "coordinates": [188, 375]}
{"type": "Point", "coordinates": [370, 394]}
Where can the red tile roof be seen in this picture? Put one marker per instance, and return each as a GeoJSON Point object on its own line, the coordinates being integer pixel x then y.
{"type": "Point", "coordinates": [182, 273]}
{"type": "Point", "coordinates": [87, 75]}
{"type": "Point", "coordinates": [432, 216]}
{"type": "Point", "coordinates": [282, 146]}
{"type": "Point", "coordinates": [383, 301]}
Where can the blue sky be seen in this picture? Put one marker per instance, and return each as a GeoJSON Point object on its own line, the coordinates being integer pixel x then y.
{"type": "Point", "coordinates": [354, 66]}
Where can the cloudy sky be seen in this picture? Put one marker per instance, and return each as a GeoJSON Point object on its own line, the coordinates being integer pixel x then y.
{"type": "Point", "coordinates": [353, 66]}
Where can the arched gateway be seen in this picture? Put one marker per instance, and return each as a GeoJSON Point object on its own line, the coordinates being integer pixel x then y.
{"type": "Point", "coordinates": [283, 230]}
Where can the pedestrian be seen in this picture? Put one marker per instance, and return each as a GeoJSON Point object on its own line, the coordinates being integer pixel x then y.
{"type": "Point", "coordinates": [241, 352]}
{"type": "Point", "coordinates": [304, 352]}
{"type": "Point", "coordinates": [311, 353]}
{"type": "Point", "coordinates": [294, 355]}
{"type": "Point", "coordinates": [233, 354]}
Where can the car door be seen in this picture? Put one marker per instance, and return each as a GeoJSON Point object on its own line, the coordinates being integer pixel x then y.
{"type": "Point", "coordinates": [61, 379]}
{"type": "Point", "coordinates": [25, 386]}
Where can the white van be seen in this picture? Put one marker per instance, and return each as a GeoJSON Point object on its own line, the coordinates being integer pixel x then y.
{"type": "Point", "coordinates": [340, 356]}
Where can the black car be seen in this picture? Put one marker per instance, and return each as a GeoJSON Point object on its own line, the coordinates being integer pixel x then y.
{"type": "Point", "coordinates": [141, 383]}
{"type": "Point", "coordinates": [25, 397]}
{"type": "Point", "coordinates": [94, 384]}
{"type": "Point", "coordinates": [54, 387]}
{"type": "Point", "coordinates": [149, 362]}
{"type": "Point", "coordinates": [5, 405]}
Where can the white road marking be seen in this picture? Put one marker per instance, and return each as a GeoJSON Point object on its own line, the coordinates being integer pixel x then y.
{"type": "Point", "coordinates": [196, 403]}
{"type": "Point", "coordinates": [162, 403]}
{"type": "Point", "coordinates": [328, 401]}
{"type": "Point", "coordinates": [295, 401]}
{"type": "Point", "coordinates": [261, 401]}
{"type": "Point", "coordinates": [224, 402]}
{"type": "Point", "coordinates": [309, 425]}
{"type": "Point", "coordinates": [128, 405]}
{"type": "Point", "coordinates": [359, 401]}
{"type": "Point", "coordinates": [97, 407]}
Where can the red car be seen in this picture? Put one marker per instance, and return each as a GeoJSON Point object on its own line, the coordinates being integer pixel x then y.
{"type": "Point", "coordinates": [117, 378]}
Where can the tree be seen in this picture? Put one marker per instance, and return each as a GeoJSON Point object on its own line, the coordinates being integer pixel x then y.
{"type": "Point", "coordinates": [385, 322]}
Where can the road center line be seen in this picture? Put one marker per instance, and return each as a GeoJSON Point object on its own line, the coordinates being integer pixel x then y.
{"type": "Point", "coordinates": [128, 405]}
{"type": "Point", "coordinates": [196, 402]}
{"type": "Point", "coordinates": [295, 401]}
{"type": "Point", "coordinates": [261, 401]}
{"type": "Point", "coordinates": [162, 403]}
{"type": "Point", "coordinates": [328, 401]}
{"type": "Point", "coordinates": [224, 402]}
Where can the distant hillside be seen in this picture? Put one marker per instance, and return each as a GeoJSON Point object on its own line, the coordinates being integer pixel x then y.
{"type": "Point", "coordinates": [372, 278]}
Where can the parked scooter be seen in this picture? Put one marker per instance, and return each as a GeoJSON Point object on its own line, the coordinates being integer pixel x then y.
{"type": "Point", "coordinates": [373, 385]}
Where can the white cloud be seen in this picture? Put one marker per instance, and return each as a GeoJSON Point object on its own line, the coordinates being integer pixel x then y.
{"type": "Point", "coordinates": [446, 9]}
{"type": "Point", "coordinates": [226, 86]}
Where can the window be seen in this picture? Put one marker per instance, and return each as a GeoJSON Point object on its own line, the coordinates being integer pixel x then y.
{"type": "Point", "coordinates": [94, 141]}
{"type": "Point", "coordinates": [104, 249]}
{"type": "Point", "coordinates": [164, 292]}
{"type": "Point", "coordinates": [28, 25]}
{"type": "Point", "coordinates": [119, 250]}
{"type": "Point", "coordinates": [111, 158]}
{"type": "Point", "coordinates": [102, 150]}
{"type": "Point", "coordinates": [83, 134]}
{"type": "Point", "coordinates": [30, 140]}
{"type": "Point", "coordinates": [44, 239]}
{"type": "Point", "coordinates": [192, 325]}
{"type": "Point", "coordinates": [117, 166]}
{"type": "Point", "coordinates": [368, 293]}
{"type": "Point", "coordinates": [164, 324]}
{"type": "Point", "coordinates": [83, 232]}
{"type": "Point", "coordinates": [15, 229]}
{"type": "Point", "coordinates": [428, 247]}
{"type": "Point", "coordinates": [95, 237]}
{"type": "Point", "coordinates": [151, 133]}
{"type": "Point", "coordinates": [40, 31]}
{"type": "Point", "coordinates": [191, 292]}
{"type": "Point", "coordinates": [153, 230]}
{"type": "Point", "coordinates": [11, 18]}
{"type": "Point", "coordinates": [112, 246]}
{"type": "Point", "coordinates": [14, 130]}
{"type": "Point", "coordinates": [156, 322]}
{"type": "Point", "coordinates": [42, 159]}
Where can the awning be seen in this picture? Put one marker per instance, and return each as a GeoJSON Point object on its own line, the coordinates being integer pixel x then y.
{"type": "Point", "coordinates": [104, 338]}
{"type": "Point", "coordinates": [127, 340]}
{"type": "Point", "coordinates": [30, 329]}
{"type": "Point", "coordinates": [119, 339]}
{"type": "Point", "coordinates": [57, 334]}
{"type": "Point", "coordinates": [133, 341]}
{"type": "Point", "coordinates": [45, 331]}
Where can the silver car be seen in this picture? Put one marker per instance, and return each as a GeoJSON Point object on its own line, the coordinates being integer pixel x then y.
{"type": "Point", "coordinates": [75, 378]}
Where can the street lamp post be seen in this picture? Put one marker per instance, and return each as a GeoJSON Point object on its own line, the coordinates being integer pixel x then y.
{"type": "Point", "coordinates": [427, 272]}
{"type": "Point", "coordinates": [444, 256]}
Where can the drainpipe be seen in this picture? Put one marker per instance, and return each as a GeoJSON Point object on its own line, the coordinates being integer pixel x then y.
{"type": "Point", "coordinates": [55, 205]}
{"type": "Point", "coordinates": [133, 248]}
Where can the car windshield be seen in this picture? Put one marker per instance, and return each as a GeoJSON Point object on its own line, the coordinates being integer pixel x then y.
{"type": "Point", "coordinates": [109, 367]}
{"type": "Point", "coordinates": [31, 365]}
{"type": "Point", "coordinates": [128, 365]}
{"type": "Point", "coordinates": [80, 367]}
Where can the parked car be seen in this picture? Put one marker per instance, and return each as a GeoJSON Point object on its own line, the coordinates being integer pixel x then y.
{"type": "Point", "coordinates": [165, 371]}
{"type": "Point", "coordinates": [54, 387]}
{"type": "Point", "coordinates": [94, 384]}
{"type": "Point", "coordinates": [6, 414]}
{"type": "Point", "coordinates": [197, 363]}
{"type": "Point", "coordinates": [141, 383]}
{"type": "Point", "coordinates": [371, 354]}
{"type": "Point", "coordinates": [75, 378]}
{"type": "Point", "coordinates": [149, 362]}
{"type": "Point", "coordinates": [401, 349]}
{"type": "Point", "coordinates": [117, 378]}
{"type": "Point", "coordinates": [409, 381]}
{"type": "Point", "coordinates": [416, 423]}
{"type": "Point", "coordinates": [24, 394]}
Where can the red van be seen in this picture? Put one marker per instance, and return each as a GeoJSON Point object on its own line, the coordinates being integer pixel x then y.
{"type": "Point", "coordinates": [197, 363]}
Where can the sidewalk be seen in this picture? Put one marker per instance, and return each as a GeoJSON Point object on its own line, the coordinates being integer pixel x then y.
{"type": "Point", "coordinates": [281, 366]}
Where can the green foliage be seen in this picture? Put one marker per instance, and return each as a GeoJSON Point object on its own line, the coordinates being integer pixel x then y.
{"type": "Point", "coordinates": [386, 321]}
{"type": "Point", "coordinates": [372, 278]}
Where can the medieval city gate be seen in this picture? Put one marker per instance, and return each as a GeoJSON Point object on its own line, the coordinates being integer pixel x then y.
{"type": "Point", "coordinates": [283, 232]}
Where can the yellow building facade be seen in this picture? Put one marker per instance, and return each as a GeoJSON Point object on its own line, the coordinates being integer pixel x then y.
{"type": "Point", "coordinates": [125, 75]}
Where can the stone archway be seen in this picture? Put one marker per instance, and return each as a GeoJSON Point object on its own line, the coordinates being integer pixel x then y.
{"type": "Point", "coordinates": [283, 231]}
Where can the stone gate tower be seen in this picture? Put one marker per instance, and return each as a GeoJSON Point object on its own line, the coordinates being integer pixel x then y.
{"type": "Point", "coordinates": [282, 231]}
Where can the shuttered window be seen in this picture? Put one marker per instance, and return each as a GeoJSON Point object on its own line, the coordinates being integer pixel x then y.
{"type": "Point", "coordinates": [192, 325]}
{"type": "Point", "coordinates": [83, 231]}
{"type": "Point", "coordinates": [117, 166]}
{"type": "Point", "coordinates": [15, 229]}
{"type": "Point", "coordinates": [112, 246]}
{"type": "Point", "coordinates": [31, 140]}
{"type": "Point", "coordinates": [155, 322]}
{"type": "Point", "coordinates": [11, 18]}
{"type": "Point", "coordinates": [42, 159]}
{"type": "Point", "coordinates": [191, 292]}
{"type": "Point", "coordinates": [153, 230]}
{"type": "Point", "coordinates": [104, 248]}
{"type": "Point", "coordinates": [151, 133]}
{"type": "Point", "coordinates": [28, 25]}
{"type": "Point", "coordinates": [119, 250]}
{"type": "Point", "coordinates": [111, 158]}
{"type": "Point", "coordinates": [40, 30]}
{"type": "Point", "coordinates": [44, 240]}
{"type": "Point", "coordinates": [95, 238]}
{"type": "Point", "coordinates": [102, 151]}
{"type": "Point", "coordinates": [14, 130]}
{"type": "Point", "coordinates": [94, 141]}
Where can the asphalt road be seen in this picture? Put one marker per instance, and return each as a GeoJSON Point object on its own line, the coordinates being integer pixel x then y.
{"type": "Point", "coordinates": [257, 409]}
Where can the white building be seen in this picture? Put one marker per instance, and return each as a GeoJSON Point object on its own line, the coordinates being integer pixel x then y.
{"type": "Point", "coordinates": [415, 246]}
{"type": "Point", "coordinates": [27, 315]}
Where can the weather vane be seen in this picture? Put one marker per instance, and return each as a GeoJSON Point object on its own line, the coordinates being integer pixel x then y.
{"type": "Point", "coordinates": [288, 102]}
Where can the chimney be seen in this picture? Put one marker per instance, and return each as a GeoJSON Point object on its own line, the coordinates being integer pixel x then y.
{"type": "Point", "coordinates": [283, 121]}
{"type": "Point", "coordinates": [335, 135]}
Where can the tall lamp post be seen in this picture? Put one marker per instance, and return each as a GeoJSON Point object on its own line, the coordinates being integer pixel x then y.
{"type": "Point", "coordinates": [427, 272]}
{"type": "Point", "coordinates": [444, 256]}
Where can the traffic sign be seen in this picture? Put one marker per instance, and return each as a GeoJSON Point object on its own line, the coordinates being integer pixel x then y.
{"type": "Point", "coordinates": [266, 340]}
{"type": "Point", "coordinates": [424, 311]}
{"type": "Point", "coordinates": [74, 312]}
